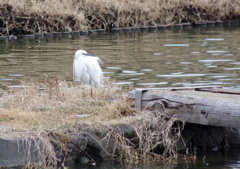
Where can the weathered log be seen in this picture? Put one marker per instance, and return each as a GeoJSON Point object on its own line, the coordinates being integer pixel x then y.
{"type": "Point", "coordinates": [201, 105]}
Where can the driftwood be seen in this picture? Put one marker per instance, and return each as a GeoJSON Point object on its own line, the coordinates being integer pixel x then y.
{"type": "Point", "coordinates": [201, 105]}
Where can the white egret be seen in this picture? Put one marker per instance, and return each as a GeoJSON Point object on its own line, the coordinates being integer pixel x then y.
{"type": "Point", "coordinates": [86, 68]}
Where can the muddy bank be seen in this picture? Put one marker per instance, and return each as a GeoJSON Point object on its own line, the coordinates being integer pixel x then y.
{"type": "Point", "coordinates": [32, 17]}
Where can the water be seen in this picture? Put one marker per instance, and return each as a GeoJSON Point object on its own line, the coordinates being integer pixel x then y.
{"type": "Point", "coordinates": [211, 160]}
{"type": "Point", "coordinates": [203, 56]}
{"type": "Point", "coordinates": [199, 56]}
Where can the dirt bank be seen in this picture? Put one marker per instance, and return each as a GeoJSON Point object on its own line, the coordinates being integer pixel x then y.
{"type": "Point", "coordinates": [32, 16]}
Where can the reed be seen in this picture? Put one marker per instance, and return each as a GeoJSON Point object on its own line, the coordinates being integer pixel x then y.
{"type": "Point", "coordinates": [33, 16]}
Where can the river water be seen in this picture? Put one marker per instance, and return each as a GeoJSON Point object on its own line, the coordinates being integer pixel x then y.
{"type": "Point", "coordinates": [170, 57]}
{"type": "Point", "coordinates": [179, 57]}
{"type": "Point", "coordinates": [211, 160]}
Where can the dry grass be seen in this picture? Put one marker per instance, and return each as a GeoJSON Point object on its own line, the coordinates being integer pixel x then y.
{"type": "Point", "coordinates": [154, 142]}
{"type": "Point", "coordinates": [57, 104]}
{"type": "Point", "coordinates": [33, 16]}
{"type": "Point", "coordinates": [156, 135]}
{"type": "Point", "coordinates": [47, 109]}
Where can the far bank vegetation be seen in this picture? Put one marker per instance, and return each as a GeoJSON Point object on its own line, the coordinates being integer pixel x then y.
{"type": "Point", "coordinates": [39, 16]}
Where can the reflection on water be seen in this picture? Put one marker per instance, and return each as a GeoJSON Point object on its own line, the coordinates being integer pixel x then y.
{"type": "Point", "coordinates": [203, 56]}
{"type": "Point", "coordinates": [211, 160]}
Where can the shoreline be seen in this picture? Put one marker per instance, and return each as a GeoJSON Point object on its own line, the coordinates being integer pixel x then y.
{"type": "Point", "coordinates": [28, 17]}
{"type": "Point", "coordinates": [209, 24]}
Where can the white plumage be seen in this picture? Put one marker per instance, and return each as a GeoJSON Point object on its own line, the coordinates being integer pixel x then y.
{"type": "Point", "coordinates": [86, 68]}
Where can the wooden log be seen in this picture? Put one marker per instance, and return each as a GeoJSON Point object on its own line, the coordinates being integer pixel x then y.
{"type": "Point", "coordinates": [201, 105]}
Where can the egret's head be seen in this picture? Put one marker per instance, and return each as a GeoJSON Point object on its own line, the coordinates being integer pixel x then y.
{"type": "Point", "coordinates": [80, 53]}
{"type": "Point", "coordinates": [83, 53]}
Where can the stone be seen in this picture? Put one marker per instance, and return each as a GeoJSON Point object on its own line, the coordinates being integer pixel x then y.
{"type": "Point", "coordinates": [15, 152]}
{"type": "Point", "coordinates": [127, 130]}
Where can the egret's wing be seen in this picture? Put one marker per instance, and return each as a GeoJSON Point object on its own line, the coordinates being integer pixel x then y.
{"type": "Point", "coordinates": [73, 70]}
{"type": "Point", "coordinates": [101, 78]}
{"type": "Point", "coordinates": [99, 60]}
{"type": "Point", "coordinates": [95, 71]}
{"type": "Point", "coordinates": [80, 71]}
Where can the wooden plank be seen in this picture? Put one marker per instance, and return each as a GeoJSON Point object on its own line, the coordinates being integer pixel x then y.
{"type": "Point", "coordinates": [195, 106]}
{"type": "Point", "coordinates": [132, 93]}
{"type": "Point", "coordinates": [224, 91]}
{"type": "Point", "coordinates": [182, 88]}
{"type": "Point", "coordinates": [138, 98]}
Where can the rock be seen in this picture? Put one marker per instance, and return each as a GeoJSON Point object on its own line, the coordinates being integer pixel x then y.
{"type": "Point", "coordinates": [234, 137]}
{"type": "Point", "coordinates": [84, 160]}
{"type": "Point", "coordinates": [127, 130]}
{"type": "Point", "coordinates": [203, 136]}
{"type": "Point", "coordinates": [12, 37]}
{"type": "Point", "coordinates": [87, 144]}
{"type": "Point", "coordinates": [181, 145]}
{"type": "Point", "coordinates": [100, 143]}
{"type": "Point", "coordinates": [15, 152]}
{"type": "Point", "coordinates": [81, 141]}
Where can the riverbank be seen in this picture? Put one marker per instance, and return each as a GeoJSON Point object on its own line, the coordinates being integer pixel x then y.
{"type": "Point", "coordinates": [55, 123]}
{"type": "Point", "coordinates": [33, 17]}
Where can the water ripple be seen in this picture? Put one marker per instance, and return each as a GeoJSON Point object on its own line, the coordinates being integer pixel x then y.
{"type": "Point", "coordinates": [16, 75]}
{"type": "Point", "coordinates": [232, 68]}
{"type": "Point", "coordinates": [176, 45]}
{"type": "Point", "coordinates": [181, 75]}
{"type": "Point", "coordinates": [123, 83]}
{"type": "Point", "coordinates": [116, 68]}
{"type": "Point", "coordinates": [216, 60]}
{"type": "Point", "coordinates": [152, 84]}
{"type": "Point", "coordinates": [216, 51]}
{"type": "Point", "coordinates": [214, 39]}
